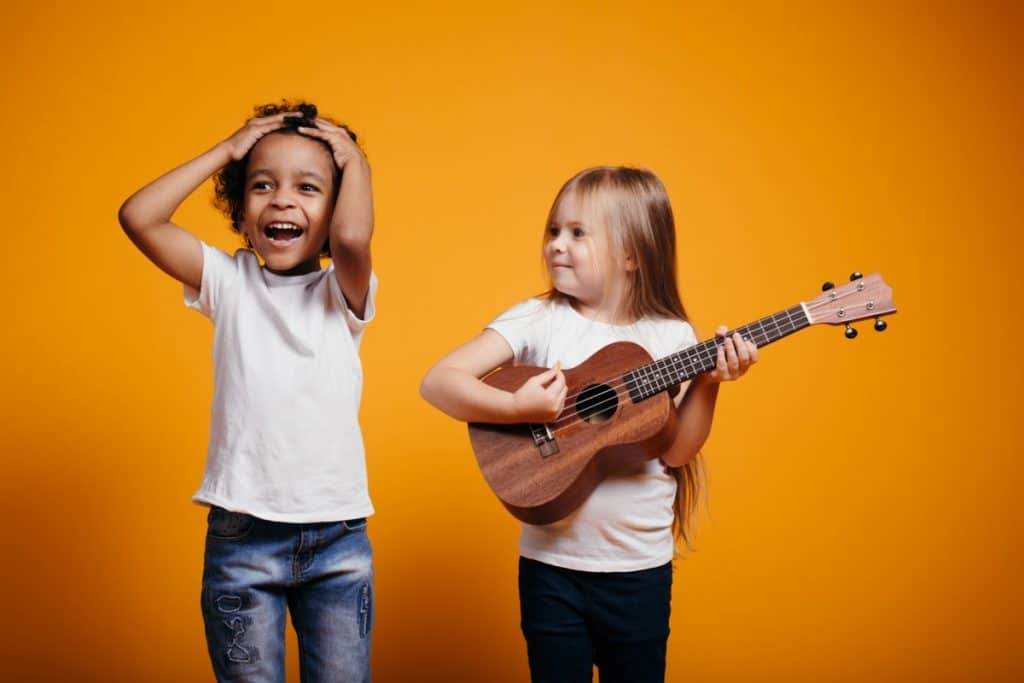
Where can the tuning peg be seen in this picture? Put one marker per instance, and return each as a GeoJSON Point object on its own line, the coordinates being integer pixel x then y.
{"type": "Point", "coordinates": [855, 276]}
{"type": "Point", "coordinates": [827, 286]}
{"type": "Point", "coordinates": [851, 333]}
{"type": "Point", "coordinates": [880, 325]}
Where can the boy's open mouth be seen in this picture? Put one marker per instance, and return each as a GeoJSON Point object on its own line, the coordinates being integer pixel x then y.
{"type": "Point", "coordinates": [282, 232]}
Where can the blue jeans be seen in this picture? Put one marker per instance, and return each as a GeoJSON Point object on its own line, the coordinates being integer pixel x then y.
{"type": "Point", "coordinates": [254, 570]}
{"type": "Point", "coordinates": [574, 619]}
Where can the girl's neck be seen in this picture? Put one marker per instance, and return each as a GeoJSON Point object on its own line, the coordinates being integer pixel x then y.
{"type": "Point", "coordinates": [610, 312]}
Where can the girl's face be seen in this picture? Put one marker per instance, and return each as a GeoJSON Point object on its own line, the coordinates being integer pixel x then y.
{"type": "Point", "coordinates": [289, 202]}
{"type": "Point", "coordinates": [578, 254]}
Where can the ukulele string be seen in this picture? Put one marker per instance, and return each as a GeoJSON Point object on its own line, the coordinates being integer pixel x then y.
{"type": "Point", "coordinates": [571, 414]}
{"type": "Point", "coordinates": [704, 352]}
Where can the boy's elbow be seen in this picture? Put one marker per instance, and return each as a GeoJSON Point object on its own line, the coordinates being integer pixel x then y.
{"type": "Point", "coordinates": [124, 217]}
{"type": "Point", "coordinates": [129, 219]}
{"type": "Point", "coordinates": [355, 244]}
{"type": "Point", "coordinates": [427, 388]}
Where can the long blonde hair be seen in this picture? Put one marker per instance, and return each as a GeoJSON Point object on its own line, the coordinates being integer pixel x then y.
{"type": "Point", "coordinates": [636, 210]}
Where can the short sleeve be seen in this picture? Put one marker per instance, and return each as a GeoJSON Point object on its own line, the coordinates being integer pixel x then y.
{"type": "Point", "coordinates": [523, 327]}
{"type": "Point", "coordinates": [219, 271]}
{"type": "Point", "coordinates": [355, 323]}
{"type": "Point", "coordinates": [671, 336]}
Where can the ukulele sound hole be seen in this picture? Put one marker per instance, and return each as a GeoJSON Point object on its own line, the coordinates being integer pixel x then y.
{"type": "Point", "coordinates": [597, 403]}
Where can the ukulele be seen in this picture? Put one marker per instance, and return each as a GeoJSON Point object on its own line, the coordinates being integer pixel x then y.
{"type": "Point", "coordinates": [618, 403]}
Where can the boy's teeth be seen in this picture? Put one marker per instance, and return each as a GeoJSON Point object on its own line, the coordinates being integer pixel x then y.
{"type": "Point", "coordinates": [283, 230]}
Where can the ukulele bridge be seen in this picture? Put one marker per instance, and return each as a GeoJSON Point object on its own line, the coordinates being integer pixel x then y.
{"type": "Point", "coordinates": [544, 440]}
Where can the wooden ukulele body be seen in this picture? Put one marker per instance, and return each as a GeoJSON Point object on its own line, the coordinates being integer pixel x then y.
{"type": "Point", "coordinates": [540, 479]}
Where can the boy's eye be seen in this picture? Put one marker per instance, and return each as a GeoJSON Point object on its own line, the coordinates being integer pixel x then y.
{"type": "Point", "coordinates": [308, 187]}
{"type": "Point", "coordinates": [260, 185]}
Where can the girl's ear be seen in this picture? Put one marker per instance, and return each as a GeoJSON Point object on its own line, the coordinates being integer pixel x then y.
{"type": "Point", "coordinates": [630, 263]}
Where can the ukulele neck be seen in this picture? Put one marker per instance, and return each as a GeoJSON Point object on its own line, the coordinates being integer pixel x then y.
{"type": "Point", "coordinates": [653, 378]}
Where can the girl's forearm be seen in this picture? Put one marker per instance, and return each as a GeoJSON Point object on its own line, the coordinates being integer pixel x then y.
{"type": "Point", "coordinates": [695, 415]}
{"type": "Point", "coordinates": [156, 203]}
{"type": "Point", "coordinates": [461, 395]}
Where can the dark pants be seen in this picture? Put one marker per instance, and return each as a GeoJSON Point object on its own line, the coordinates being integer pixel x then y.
{"type": "Point", "coordinates": [573, 620]}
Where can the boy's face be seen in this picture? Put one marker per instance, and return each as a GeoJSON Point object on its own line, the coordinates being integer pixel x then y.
{"type": "Point", "coordinates": [289, 201]}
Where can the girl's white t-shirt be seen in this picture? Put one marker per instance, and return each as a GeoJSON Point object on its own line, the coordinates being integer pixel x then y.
{"type": "Point", "coordinates": [285, 443]}
{"type": "Point", "coordinates": [626, 523]}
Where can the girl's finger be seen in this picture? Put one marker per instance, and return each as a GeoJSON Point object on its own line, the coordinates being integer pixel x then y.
{"type": "Point", "coordinates": [742, 351]}
{"type": "Point", "coordinates": [544, 378]}
{"type": "Point", "coordinates": [558, 383]}
{"type": "Point", "coordinates": [720, 367]}
{"type": "Point", "coordinates": [730, 354]}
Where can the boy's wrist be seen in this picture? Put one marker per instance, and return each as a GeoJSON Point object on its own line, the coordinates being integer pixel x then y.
{"type": "Point", "coordinates": [222, 153]}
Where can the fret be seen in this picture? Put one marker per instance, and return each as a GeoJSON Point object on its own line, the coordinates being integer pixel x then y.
{"type": "Point", "coordinates": [682, 366]}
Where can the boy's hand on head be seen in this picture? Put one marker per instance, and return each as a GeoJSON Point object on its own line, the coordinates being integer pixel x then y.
{"type": "Point", "coordinates": [542, 397]}
{"type": "Point", "coordinates": [239, 144]}
{"type": "Point", "coordinates": [735, 356]}
{"type": "Point", "coordinates": [343, 147]}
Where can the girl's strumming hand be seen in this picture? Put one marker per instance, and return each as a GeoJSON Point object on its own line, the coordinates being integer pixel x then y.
{"type": "Point", "coordinates": [542, 397]}
{"type": "Point", "coordinates": [735, 356]}
{"type": "Point", "coordinates": [342, 145]}
{"type": "Point", "coordinates": [243, 139]}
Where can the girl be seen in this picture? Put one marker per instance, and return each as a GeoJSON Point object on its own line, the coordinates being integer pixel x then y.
{"type": "Point", "coordinates": [595, 587]}
{"type": "Point", "coordinates": [285, 474]}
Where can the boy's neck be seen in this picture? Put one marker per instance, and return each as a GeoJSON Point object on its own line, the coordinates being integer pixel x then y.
{"type": "Point", "coordinates": [300, 269]}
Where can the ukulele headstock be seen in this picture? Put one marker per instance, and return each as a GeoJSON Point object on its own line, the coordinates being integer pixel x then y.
{"type": "Point", "coordinates": [863, 297]}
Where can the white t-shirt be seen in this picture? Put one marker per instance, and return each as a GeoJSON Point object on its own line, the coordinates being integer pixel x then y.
{"type": "Point", "coordinates": [626, 523]}
{"type": "Point", "coordinates": [285, 443]}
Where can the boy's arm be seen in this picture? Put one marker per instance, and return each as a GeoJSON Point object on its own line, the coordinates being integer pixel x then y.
{"type": "Point", "coordinates": [453, 386]}
{"type": "Point", "coordinates": [695, 405]}
{"type": "Point", "coordinates": [146, 215]}
{"type": "Point", "coordinates": [352, 221]}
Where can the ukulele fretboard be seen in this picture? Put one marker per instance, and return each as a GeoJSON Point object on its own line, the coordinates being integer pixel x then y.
{"type": "Point", "coordinates": [653, 378]}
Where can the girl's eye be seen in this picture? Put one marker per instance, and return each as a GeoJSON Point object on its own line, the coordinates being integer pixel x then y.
{"type": "Point", "coordinates": [307, 187]}
{"type": "Point", "coordinates": [552, 232]}
{"type": "Point", "coordinates": [260, 185]}
{"type": "Point", "coordinates": [578, 232]}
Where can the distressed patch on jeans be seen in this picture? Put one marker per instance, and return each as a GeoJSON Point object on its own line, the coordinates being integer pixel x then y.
{"type": "Point", "coordinates": [229, 604]}
{"type": "Point", "coordinates": [365, 610]}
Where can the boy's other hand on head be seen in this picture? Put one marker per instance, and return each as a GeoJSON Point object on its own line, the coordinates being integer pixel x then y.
{"type": "Point", "coordinates": [239, 144]}
{"type": "Point", "coordinates": [342, 142]}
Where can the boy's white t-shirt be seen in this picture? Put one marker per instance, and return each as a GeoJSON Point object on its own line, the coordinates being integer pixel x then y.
{"type": "Point", "coordinates": [285, 443]}
{"type": "Point", "coordinates": [626, 523]}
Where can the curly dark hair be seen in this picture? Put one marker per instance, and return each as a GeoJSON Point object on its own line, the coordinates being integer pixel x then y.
{"type": "Point", "coordinates": [229, 182]}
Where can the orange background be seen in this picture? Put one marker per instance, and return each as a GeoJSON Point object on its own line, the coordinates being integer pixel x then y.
{"type": "Point", "coordinates": [862, 524]}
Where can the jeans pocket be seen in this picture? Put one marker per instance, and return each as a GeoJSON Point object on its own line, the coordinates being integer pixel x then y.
{"type": "Point", "coordinates": [224, 525]}
{"type": "Point", "coordinates": [357, 524]}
